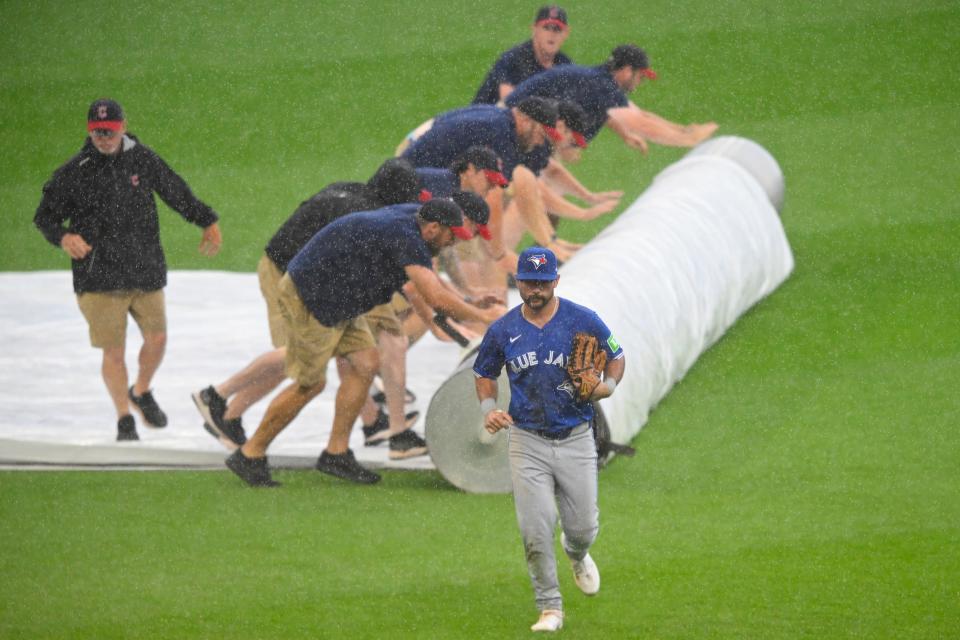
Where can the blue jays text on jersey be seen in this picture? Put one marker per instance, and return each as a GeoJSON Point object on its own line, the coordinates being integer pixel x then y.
{"type": "Point", "coordinates": [541, 394]}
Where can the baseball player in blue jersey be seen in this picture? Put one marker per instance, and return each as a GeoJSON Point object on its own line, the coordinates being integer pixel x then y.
{"type": "Point", "coordinates": [553, 459]}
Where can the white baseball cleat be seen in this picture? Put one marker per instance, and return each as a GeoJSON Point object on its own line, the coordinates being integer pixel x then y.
{"type": "Point", "coordinates": [550, 620]}
{"type": "Point", "coordinates": [585, 572]}
{"type": "Point", "coordinates": [586, 575]}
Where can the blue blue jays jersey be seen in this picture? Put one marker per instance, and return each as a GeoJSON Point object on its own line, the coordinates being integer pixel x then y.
{"type": "Point", "coordinates": [541, 394]}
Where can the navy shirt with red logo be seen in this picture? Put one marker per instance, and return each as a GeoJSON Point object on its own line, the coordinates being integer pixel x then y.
{"type": "Point", "coordinates": [593, 88]}
{"type": "Point", "coordinates": [358, 262]}
{"type": "Point", "coordinates": [513, 67]}
{"type": "Point", "coordinates": [456, 131]}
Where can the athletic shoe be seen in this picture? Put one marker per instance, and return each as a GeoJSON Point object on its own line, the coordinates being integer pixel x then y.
{"type": "Point", "coordinates": [375, 433]}
{"type": "Point", "coordinates": [149, 409]}
{"type": "Point", "coordinates": [585, 572]}
{"type": "Point", "coordinates": [550, 620]}
{"type": "Point", "coordinates": [211, 406]}
{"type": "Point", "coordinates": [586, 575]}
{"type": "Point", "coordinates": [126, 429]}
{"type": "Point", "coordinates": [345, 466]}
{"type": "Point", "coordinates": [254, 471]}
{"type": "Point", "coordinates": [406, 444]}
{"type": "Point", "coordinates": [231, 435]}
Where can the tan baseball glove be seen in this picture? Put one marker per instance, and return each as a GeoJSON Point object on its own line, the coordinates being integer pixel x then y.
{"type": "Point", "coordinates": [586, 364]}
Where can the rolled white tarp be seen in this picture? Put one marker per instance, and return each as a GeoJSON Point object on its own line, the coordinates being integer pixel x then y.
{"type": "Point", "coordinates": [696, 250]}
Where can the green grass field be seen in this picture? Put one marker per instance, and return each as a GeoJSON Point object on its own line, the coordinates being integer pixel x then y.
{"type": "Point", "coordinates": [801, 482]}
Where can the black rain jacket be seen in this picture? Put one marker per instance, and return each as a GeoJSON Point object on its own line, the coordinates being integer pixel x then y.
{"type": "Point", "coordinates": [108, 201]}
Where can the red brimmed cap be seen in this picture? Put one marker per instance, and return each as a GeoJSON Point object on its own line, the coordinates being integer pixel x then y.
{"type": "Point", "coordinates": [476, 209]}
{"type": "Point", "coordinates": [575, 118]}
{"type": "Point", "coordinates": [496, 178]}
{"type": "Point", "coordinates": [553, 133]}
{"type": "Point", "coordinates": [447, 213]}
{"type": "Point", "coordinates": [551, 14]}
{"type": "Point", "coordinates": [484, 159]}
{"type": "Point", "coordinates": [650, 73]}
{"type": "Point", "coordinates": [105, 114]}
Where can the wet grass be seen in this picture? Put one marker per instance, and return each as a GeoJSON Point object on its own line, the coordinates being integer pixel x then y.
{"type": "Point", "coordinates": [800, 482]}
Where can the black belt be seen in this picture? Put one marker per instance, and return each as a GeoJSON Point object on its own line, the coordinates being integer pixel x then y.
{"type": "Point", "coordinates": [553, 435]}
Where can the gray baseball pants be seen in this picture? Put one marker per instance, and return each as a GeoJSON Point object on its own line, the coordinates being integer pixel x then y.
{"type": "Point", "coordinates": [550, 476]}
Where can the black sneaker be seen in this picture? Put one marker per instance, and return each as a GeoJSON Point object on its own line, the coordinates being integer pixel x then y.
{"type": "Point", "coordinates": [149, 409]}
{"type": "Point", "coordinates": [407, 445]}
{"type": "Point", "coordinates": [126, 429]}
{"type": "Point", "coordinates": [231, 435]}
{"type": "Point", "coordinates": [374, 434]}
{"type": "Point", "coordinates": [344, 465]}
{"type": "Point", "coordinates": [254, 471]}
{"type": "Point", "coordinates": [211, 406]}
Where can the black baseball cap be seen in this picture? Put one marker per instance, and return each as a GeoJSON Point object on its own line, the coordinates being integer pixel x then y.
{"type": "Point", "coordinates": [541, 110]}
{"type": "Point", "coordinates": [575, 118]}
{"type": "Point", "coordinates": [633, 56]}
{"type": "Point", "coordinates": [447, 213]}
{"type": "Point", "coordinates": [105, 114]}
{"type": "Point", "coordinates": [475, 208]}
{"type": "Point", "coordinates": [395, 182]}
{"type": "Point", "coordinates": [486, 160]}
{"type": "Point", "coordinates": [551, 14]}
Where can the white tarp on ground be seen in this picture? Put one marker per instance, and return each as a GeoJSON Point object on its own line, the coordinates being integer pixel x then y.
{"type": "Point", "coordinates": [54, 407]}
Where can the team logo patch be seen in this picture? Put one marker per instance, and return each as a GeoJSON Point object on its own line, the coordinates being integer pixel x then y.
{"type": "Point", "coordinates": [135, 180]}
{"type": "Point", "coordinates": [537, 260]}
{"type": "Point", "coordinates": [566, 387]}
{"type": "Point", "coordinates": [612, 343]}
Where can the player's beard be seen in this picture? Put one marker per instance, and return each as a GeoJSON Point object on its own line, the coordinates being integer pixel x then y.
{"type": "Point", "coordinates": [434, 246]}
{"type": "Point", "coordinates": [537, 301]}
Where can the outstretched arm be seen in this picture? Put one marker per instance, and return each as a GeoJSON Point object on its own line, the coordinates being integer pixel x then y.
{"type": "Point", "coordinates": [659, 130]}
{"type": "Point", "coordinates": [440, 298]}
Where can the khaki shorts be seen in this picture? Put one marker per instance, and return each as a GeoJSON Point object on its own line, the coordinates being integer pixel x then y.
{"type": "Point", "coordinates": [106, 314]}
{"type": "Point", "coordinates": [310, 345]}
{"type": "Point", "coordinates": [269, 275]}
{"type": "Point", "coordinates": [383, 317]}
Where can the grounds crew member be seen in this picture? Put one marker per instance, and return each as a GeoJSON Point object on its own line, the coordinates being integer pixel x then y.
{"type": "Point", "coordinates": [99, 208]}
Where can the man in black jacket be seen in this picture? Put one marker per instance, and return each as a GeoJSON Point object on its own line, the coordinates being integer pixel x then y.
{"type": "Point", "coordinates": [113, 238]}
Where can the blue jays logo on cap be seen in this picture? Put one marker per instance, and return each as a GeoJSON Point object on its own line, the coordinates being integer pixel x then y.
{"type": "Point", "coordinates": [537, 260]}
{"type": "Point", "coordinates": [537, 263]}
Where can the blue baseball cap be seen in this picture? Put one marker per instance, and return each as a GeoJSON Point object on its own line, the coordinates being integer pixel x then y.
{"type": "Point", "coordinates": [537, 263]}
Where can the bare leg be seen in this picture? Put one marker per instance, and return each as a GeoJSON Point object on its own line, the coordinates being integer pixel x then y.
{"type": "Point", "coordinates": [354, 384]}
{"type": "Point", "coordinates": [370, 410]}
{"type": "Point", "coordinates": [254, 382]}
{"type": "Point", "coordinates": [114, 372]}
{"type": "Point", "coordinates": [151, 355]}
{"type": "Point", "coordinates": [393, 370]}
{"type": "Point", "coordinates": [280, 413]}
